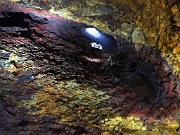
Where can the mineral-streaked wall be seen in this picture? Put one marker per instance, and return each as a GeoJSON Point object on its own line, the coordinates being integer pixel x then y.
{"type": "Point", "coordinates": [159, 22]}
{"type": "Point", "coordinates": [132, 22]}
{"type": "Point", "coordinates": [148, 22]}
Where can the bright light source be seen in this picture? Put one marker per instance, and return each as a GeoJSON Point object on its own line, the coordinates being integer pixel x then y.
{"type": "Point", "coordinates": [95, 45]}
{"type": "Point", "coordinates": [94, 32]}
{"type": "Point", "coordinates": [101, 41]}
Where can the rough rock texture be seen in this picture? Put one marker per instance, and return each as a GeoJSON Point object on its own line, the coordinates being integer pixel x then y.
{"type": "Point", "coordinates": [160, 23]}
{"type": "Point", "coordinates": [47, 87]}
{"type": "Point", "coordinates": [157, 21]}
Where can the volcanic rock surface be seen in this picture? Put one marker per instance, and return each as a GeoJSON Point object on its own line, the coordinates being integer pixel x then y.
{"type": "Point", "coordinates": [48, 87]}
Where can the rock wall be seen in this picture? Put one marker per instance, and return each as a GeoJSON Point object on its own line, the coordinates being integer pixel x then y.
{"type": "Point", "coordinates": [145, 23]}
{"type": "Point", "coordinates": [150, 22]}
{"type": "Point", "coordinates": [59, 92]}
{"type": "Point", "coordinates": [158, 24]}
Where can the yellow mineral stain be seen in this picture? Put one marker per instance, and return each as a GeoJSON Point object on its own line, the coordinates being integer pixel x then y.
{"type": "Point", "coordinates": [12, 68]}
{"type": "Point", "coordinates": [48, 88]}
{"type": "Point", "coordinates": [13, 57]}
{"type": "Point", "coordinates": [176, 50]}
{"type": "Point", "coordinates": [15, 0]}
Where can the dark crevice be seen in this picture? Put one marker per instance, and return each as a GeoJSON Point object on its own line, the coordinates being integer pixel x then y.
{"type": "Point", "coordinates": [14, 19]}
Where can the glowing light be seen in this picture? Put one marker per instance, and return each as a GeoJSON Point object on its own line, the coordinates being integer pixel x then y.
{"type": "Point", "coordinates": [94, 32]}
{"type": "Point", "coordinates": [101, 41]}
{"type": "Point", "coordinates": [95, 45]}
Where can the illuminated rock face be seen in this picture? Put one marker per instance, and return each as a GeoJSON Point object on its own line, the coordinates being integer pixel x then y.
{"type": "Point", "coordinates": [150, 22]}
{"type": "Point", "coordinates": [69, 106]}
{"type": "Point", "coordinates": [160, 23]}
{"type": "Point", "coordinates": [158, 20]}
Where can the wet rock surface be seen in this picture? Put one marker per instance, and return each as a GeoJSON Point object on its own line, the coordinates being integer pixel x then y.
{"type": "Point", "coordinates": [48, 88]}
